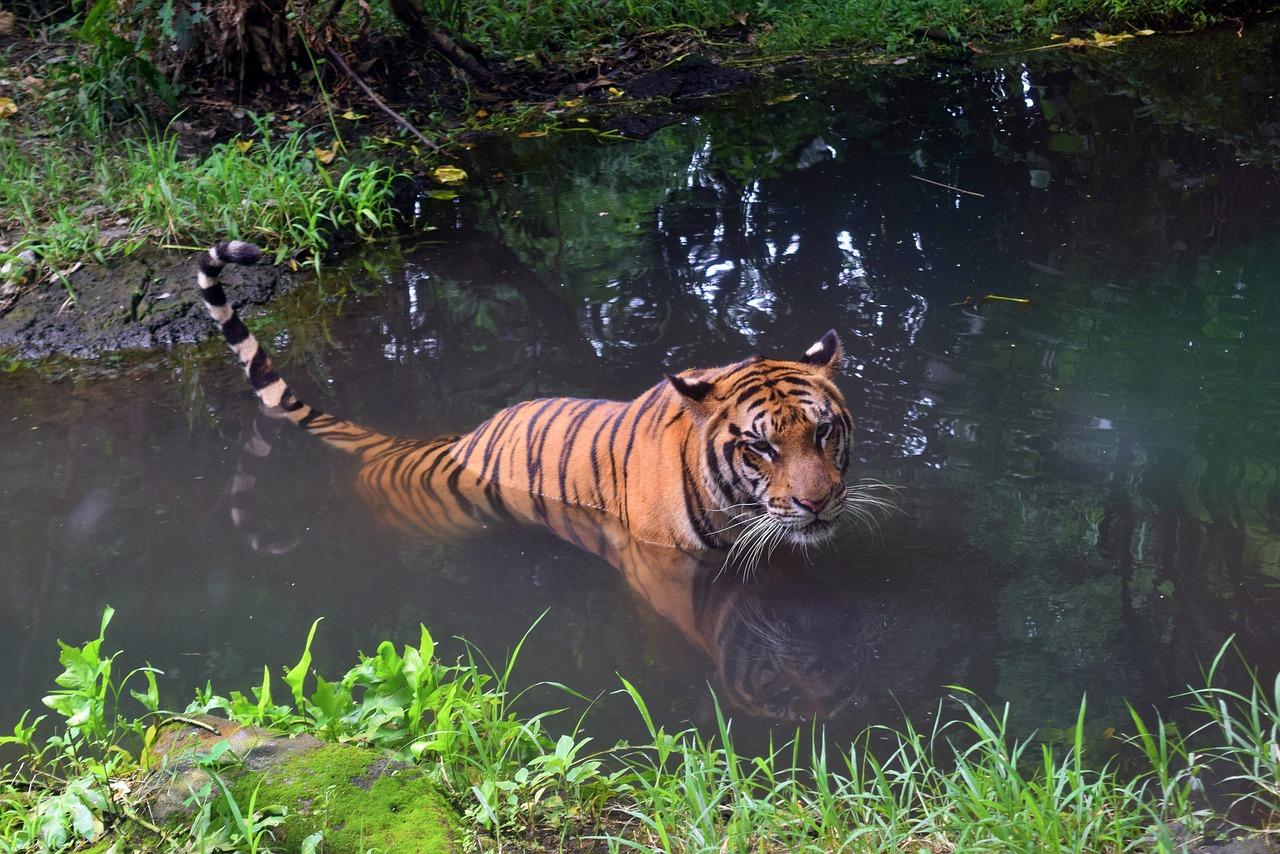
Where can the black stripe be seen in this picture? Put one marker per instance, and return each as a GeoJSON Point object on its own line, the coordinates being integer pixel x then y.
{"type": "Point", "coordinates": [214, 295]}
{"type": "Point", "coordinates": [261, 374]}
{"type": "Point", "coordinates": [542, 442]}
{"type": "Point", "coordinates": [234, 330]}
{"type": "Point", "coordinates": [571, 436]}
{"type": "Point", "coordinates": [208, 266]}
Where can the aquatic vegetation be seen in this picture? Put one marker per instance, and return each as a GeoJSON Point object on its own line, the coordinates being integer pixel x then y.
{"type": "Point", "coordinates": [965, 783]}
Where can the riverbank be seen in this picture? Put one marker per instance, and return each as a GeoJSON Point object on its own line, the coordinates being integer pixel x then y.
{"type": "Point", "coordinates": [111, 147]}
{"type": "Point", "coordinates": [97, 773]}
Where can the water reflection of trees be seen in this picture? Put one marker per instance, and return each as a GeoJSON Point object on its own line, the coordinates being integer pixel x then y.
{"type": "Point", "coordinates": [1104, 459]}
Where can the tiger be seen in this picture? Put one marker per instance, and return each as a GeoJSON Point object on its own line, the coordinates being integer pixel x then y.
{"type": "Point", "coordinates": [741, 457]}
{"type": "Point", "coordinates": [762, 446]}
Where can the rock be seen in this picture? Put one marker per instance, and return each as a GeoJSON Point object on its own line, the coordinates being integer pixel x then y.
{"type": "Point", "coordinates": [358, 798]}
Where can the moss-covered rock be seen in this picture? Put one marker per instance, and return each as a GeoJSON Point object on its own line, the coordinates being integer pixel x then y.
{"type": "Point", "coordinates": [359, 799]}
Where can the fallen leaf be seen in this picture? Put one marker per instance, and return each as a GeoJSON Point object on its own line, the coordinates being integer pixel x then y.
{"type": "Point", "coordinates": [352, 116]}
{"type": "Point", "coordinates": [243, 145]}
{"type": "Point", "coordinates": [614, 91]}
{"type": "Point", "coordinates": [442, 195]}
{"type": "Point", "coordinates": [7, 108]}
{"type": "Point", "coordinates": [572, 103]}
{"type": "Point", "coordinates": [902, 60]}
{"type": "Point", "coordinates": [449, 175]}
{"type": "Point", "coordinates": [598, 83]}
{"type": "Point", "coordinates": [582, 119]}
{"type": "Point", "coordinates": [6, 23]}
{"type": "Point", "coordinates": [482, 114]}
{"type": "Point", "coordinates": [1146, 32]}
{"type": "Point", "coordinates": [1056, 36]}
{"type": "Point", "coordinates": [326, 155]}
{"type": "Point", "coordinates": [782, 99]}
{"type": "Point", "coordinates": [530, 134]}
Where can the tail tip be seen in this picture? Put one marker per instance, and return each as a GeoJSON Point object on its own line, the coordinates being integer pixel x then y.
{"type": "Point", "coordinates": [238, 252]}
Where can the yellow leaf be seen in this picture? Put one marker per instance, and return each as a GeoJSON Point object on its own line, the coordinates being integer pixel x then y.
{"type": "Point", "coordinates": [442, 195]}
{"type": "Point", "coordinates": [1056, 36]}
{"type": "Point", "coordinates": [1146, 32]}
{"type": "Point", "coordinates": [7, 108]}
{"type": "Point", "coordinates": [326, 155]}
{"type": "Point", "coordinates": [614, 91]}
{"type": "Point", "coordinates": [572, 103]}
{"type": "Point", "coordinates": [482, 114]}
{"type": "Point", "coordinates": [352, 116]}
{"type": "Point", "coordinates": [782, 99]}
{"type": "Point", "coordinates": [582, 119]}
{"type": "Point", "coordinates": [243, 145]}
{"type": "Point", "coordinates": [529, 134]}
{"type": "Point", "coordinates": [449, 175]}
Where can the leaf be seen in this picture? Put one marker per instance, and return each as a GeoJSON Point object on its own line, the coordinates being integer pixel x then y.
{"type": "Point", "coordinates": [1145, 32]}
{"type": "Point", "coordinates": [571, 103]}
{"type": "Point", "coordinates": [449, 175]}
{"type": "Point", "coordinates": [7, 108]}
{"type": "Point", "coordinates": [482, 114]}
{"type": "Point", "coordinates": [782, 99]}
{"type": "Point", "coordinates": [311, 844]}
{"type": "Point", "coordinates": [352, 116]}
{"type": "Point", "coordinates": [614, 91]}
{"type": "Point", "coordinates": [243, 145]}
{"type": "Point", "coordinates": [442, 195]}
{"type": "Point", "coordinates": [326, 155]}
{"type": "Point", "coordinates": [297, 675]}
{"type": "Point", "coordinates": [530, 134]}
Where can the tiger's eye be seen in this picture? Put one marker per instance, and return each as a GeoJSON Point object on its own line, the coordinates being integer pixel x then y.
{"type": "Point", "coordinates": [820, 432]}
{"type": "Point", "coordinates": [761, 447]}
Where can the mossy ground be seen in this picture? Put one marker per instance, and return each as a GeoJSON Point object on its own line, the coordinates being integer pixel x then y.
{"type": "Point", "coordinates": [359, 800]}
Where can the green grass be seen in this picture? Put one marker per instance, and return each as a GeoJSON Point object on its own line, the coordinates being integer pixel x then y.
{"type": "Point", "coordinates": [573, 26]}
{"type": "Point", "coordinates": [966, 784]}
{"type": "Point", "coordinates": [76, 201]}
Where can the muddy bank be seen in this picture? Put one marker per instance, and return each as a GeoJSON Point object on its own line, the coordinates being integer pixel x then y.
{"type": "Point", "coordinates": [138, 303]}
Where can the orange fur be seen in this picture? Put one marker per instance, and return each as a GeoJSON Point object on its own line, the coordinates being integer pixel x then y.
{"type": "Point", "coordinates": [651, 485]}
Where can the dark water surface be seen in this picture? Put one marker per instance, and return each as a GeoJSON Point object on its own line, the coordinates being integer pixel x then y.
{"type": "Point", "coordinates": [1091, 482]}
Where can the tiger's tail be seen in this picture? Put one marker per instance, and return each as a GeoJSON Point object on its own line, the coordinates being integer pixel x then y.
{"type": "Point", "coordinates": [267, 384]}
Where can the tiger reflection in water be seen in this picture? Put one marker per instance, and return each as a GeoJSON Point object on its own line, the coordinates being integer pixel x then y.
{"type": "Point", "coordinates": [740, 458]}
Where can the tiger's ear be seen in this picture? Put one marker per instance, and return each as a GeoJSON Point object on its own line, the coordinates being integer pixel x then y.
{"type": "Point", "coordinates": [693, 393]}
{"type": "Point", "coordinates": [825, 354]}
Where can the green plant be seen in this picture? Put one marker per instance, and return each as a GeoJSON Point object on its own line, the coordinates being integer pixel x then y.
{"type": "Point", "coordinates": [967, 783]}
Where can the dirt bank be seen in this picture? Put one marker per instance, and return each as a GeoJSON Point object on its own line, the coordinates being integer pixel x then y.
{"type": "Point", "coordinates": [142, 302]}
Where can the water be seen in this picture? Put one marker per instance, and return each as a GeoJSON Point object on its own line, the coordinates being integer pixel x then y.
{"type": "Point", "coordinates": [1091, 490]}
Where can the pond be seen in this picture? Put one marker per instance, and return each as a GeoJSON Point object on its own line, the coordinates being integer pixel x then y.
{"type": "Point", "coordinates": [1089, 465]}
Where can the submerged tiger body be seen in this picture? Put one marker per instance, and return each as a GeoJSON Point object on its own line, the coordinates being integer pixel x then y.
{"type": "Point", "coordinates": [742, 456]}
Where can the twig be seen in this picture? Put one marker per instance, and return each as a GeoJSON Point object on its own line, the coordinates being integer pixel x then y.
{"type": "Point", "coordinates": [373, 96]}
{"type": "Point", "coordinates": [192, 721]}
{"type": "Point", "coordinates": [133, 816]}
{"type": "Point", "coordinates": [948, 187]}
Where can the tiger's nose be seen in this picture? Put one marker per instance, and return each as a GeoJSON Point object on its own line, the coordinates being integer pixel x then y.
{"type": "Point", "coordinates": [814, 506]}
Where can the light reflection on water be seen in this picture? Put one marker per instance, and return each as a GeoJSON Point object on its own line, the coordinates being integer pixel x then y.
{"type": "Point", "coordinates": [1091, 484]}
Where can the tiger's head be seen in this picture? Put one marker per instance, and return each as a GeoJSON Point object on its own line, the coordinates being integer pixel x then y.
{"type": "Point", "coordinates": [776, 440]}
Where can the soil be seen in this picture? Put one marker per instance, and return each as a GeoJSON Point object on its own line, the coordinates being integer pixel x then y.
{"type": "Point", "coordinates": [141, 302]}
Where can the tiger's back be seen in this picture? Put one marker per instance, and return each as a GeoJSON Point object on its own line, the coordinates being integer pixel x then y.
{"type": "Point", "coordinates": [744, 456]}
